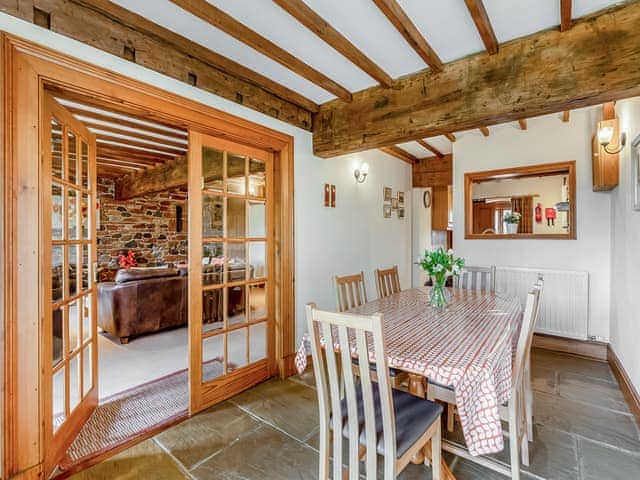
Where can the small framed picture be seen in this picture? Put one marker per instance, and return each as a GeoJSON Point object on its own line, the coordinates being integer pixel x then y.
{"type": "Point", "coordinates": [401, 212]}
{"type": "Point", "coordinates": [387, 194]}
{"type": "Point", "coordinates": [386, 211]}
{"type": "Point", "coordinates": [394, 203]}
{"type": "Point", "coordinates": [401, 198]}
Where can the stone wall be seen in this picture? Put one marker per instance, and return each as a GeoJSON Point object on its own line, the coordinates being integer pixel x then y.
{"type": "Point", "coordinates": [146, 225]}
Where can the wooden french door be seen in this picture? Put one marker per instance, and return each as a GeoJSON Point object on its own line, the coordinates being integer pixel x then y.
{"type": "Point", "coordinates": [70, 382]}
{"type": "Point", "coordinates": [231, 252]}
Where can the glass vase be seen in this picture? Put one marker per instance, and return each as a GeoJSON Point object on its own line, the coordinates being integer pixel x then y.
{"type": "Point", "coordinates": [438, 296]}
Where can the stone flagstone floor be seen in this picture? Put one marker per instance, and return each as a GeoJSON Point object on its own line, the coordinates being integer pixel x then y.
{"type": "Point", "coordinates": [583, 430]}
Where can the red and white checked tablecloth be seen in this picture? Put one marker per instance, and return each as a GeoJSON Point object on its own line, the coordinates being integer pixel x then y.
{"type": "Point", "coordinates": [468, 345]}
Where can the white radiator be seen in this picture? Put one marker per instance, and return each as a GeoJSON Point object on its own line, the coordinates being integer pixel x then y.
{"type": "Point", "coordinates": [565, 300]}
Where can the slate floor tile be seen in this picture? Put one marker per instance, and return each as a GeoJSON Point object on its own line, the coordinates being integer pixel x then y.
{"type": "Point", "coordinates": [571, 363]}
{"type": "Point", "coordinates": [600, 462]}
{"type": "Point", "coordinates": [591, 390]}
{"type": "Point", "coordinates": [586, 420]}
{"type": "Point", "coordinates": [203, 435]}
{"type": "Point", "coordinates": [288, 405]}
{"type": "Point", "coordinates": [263, 454]}
{"type": "Point", "coordinates": [144, 460]}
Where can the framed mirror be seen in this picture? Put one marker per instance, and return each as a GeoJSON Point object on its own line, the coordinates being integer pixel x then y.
{"type": "Point", "coordinates": [536, 201]}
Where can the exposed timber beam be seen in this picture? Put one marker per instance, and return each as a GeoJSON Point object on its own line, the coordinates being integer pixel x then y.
{"type": "Point", "coordinates": [523, 124]}
{"type": "Point", "coordinates": [572, 69]}
{"type": "Point", "coordinates": [609, 111]}
{"type": "Point", "coordinates": [431, 148]}
{"type": "Point", "coordinates": [484, 131]}
{"type": "Point", "coordinates": [401, 21]}
{"type": "Point", "coordinates": [565, 15]}
{"type": "Point", "coordinates": [226, 23]}
{"type": "Point", "coordinates": [566, 115]}
{"type": "Point", "coordinates": [201, 53]}
{"type": "Point", "coordinates": [110, 28]}
{"type": "Point", "coordinates": [171, 174]}
{"type": "Point", "coordinates": [483, 24]}
{"type": "Point", "coordinates": [400, 154]}
{"type": "Point", "coordinates": [314, 22]}
{"type": "Point", "coordinates": [133, 142]}
{"type": "Point", "coordinates": [450, 136]}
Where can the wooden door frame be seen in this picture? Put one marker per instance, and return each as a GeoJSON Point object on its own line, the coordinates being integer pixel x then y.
{"type": "Point", "coordinates": [26, 69]}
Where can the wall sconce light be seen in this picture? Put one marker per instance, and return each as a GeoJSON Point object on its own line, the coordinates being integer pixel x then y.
{"type": "Point", "coordinates": [361, 173]}
{"type": "Point", "coordinates": [605, 135]}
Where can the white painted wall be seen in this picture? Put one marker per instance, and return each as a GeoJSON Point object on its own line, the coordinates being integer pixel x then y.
{"type": "Point", "coordinates": [421, 234]}
{"type": "Point", "coordinates": [352, 237]}
{"type": "Point", "coordinates": [625, 298]}
{"type": "Point", "coordinates": [547, 140]}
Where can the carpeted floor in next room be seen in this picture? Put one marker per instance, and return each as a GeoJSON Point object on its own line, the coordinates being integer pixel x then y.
{"type": "Point", "coordinates": [583, 430]}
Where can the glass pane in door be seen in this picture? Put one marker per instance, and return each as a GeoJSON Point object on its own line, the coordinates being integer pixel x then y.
{"type": "Point", "coordinates": [229, 225]}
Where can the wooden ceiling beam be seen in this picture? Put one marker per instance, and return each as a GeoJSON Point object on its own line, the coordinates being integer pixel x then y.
{"type": "Point", "coordinates": [570, 73]}
{"type": "Point", "coordinates": [484, 131]}
{"type": "Point", "coordinates": [118, 161]}
{"type": "Point", "coordinates": [127, 156]}
{"type": "Point", "coordinates": [201, 54]}
{"type": "Point", "coordinates": [170, 141]}
{"type": "Point", "coordinates": [110, 149]}
{"type": "Point", "coordinates": [450, 136]}
{"type": "Point", "coordinates": [431, 148]}
{"type": "Point", "coordinates": [130, 142]}
{"type": "Point", "coordinates": [483, 24]}
{"type": "Point", "coordinates": [229, 25]}
{"type": "Point", "coordinates": [523, 124]}
{"type": "Point", "coordinates": [401, 21]}
{"type": "Point", "coordinates": [400, 154]}
{"type": "Point", "coordinates": [314, 22]}
{"type": "Point", "coordinates": [90, 118]}
{"type": "Point", "coordinates": [565, 15]}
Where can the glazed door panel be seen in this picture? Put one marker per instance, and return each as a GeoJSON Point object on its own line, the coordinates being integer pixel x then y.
{"type": "Point", "coordinates": [70, 383]}
{"type": "Point", "coordinates": [231, 251]}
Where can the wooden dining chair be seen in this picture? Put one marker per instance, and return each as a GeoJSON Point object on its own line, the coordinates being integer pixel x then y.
{"type": "Point", "coordinates": [372, 417]}
{"type": "Point", "coordinates": [514, 411]}
{"type": "Point", "coordinates": [387, 281]}
{"type": "Point", "coordinates": [350, 291]}
{"type": "Point", "coordinates": [476, 278]}
{"type": "Point", "coordinates": [539, 285]}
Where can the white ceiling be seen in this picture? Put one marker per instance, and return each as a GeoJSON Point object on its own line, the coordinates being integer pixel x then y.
{"type": "Point", "coordinates": [446, 25]}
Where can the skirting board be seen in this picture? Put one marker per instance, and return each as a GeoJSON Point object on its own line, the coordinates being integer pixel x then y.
{"type": "Point", "coordinates": [594, 350]}
{"type": "Point", "coordinates": [630, 393]}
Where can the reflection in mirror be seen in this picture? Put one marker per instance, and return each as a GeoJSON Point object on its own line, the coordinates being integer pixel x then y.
{"type": "Point", "coordinates": [236, 220]}
{"type": "Point", "coordinates": [212, 215]}
{"type": "Point", "coordinates": [237, 348]}
{"type": "Point", "coordinates": [257, 301]}
{"type": "Point", "coordinates": [521, 202]}
{"type": "Point", "coordinates": [236, 305]}
{"type": "Point", "coordinates": [59, 415]}
{"type": "Point", "coordinates": [212, 263]}
{"type": "Point", "coordinates": [258, 342]}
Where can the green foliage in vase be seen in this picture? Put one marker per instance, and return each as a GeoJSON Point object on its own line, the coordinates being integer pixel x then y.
{"type": "Point", "coordinates": [440, 264]}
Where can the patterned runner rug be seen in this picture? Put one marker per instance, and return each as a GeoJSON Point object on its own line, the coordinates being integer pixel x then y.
{"type": "Point", "coordinates": [132, 413]}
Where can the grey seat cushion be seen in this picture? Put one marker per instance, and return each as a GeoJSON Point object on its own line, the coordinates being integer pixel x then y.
{"type": "Point", "coordinates": [413, 417]}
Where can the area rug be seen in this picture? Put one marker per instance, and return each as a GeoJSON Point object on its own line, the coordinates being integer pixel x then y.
{"type": "Point", "coordinates": [130, 414]}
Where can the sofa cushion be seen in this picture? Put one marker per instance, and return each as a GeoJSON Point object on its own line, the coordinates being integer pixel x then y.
{"type": "Point", "coordinates": [133, 274]}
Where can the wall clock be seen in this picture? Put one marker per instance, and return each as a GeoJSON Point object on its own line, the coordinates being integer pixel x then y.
{"type": "Point", "coordinates": [426, 199]}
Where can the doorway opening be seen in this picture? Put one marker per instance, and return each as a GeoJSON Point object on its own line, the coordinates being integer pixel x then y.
{"type": "Point", "coordinates": [120, 237]}
{"type": "Point", "coordinates": [40, 344]}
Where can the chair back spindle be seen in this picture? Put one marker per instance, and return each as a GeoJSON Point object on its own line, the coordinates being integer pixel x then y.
{"type": "Point", "coordinates": [476, 278]}
{"type": "Point", "coordinates": [353, 335]}
{"type": "Point", "coordinates": [350, 291]}
{"type": "Point", "coordinates": [387, 281]}
{"type": "Point", "coordinates": [525, 338]}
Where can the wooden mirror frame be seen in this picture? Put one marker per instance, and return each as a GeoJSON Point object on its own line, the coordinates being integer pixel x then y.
{"type": "Point", "coordinates": [561, 168]}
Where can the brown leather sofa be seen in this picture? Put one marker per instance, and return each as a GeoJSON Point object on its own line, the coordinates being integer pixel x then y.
{"type": "Point", "coordinates": [142, 300]}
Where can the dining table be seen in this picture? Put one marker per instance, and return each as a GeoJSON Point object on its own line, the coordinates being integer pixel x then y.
{"type": "Point", "coordinates": [467, 345]}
